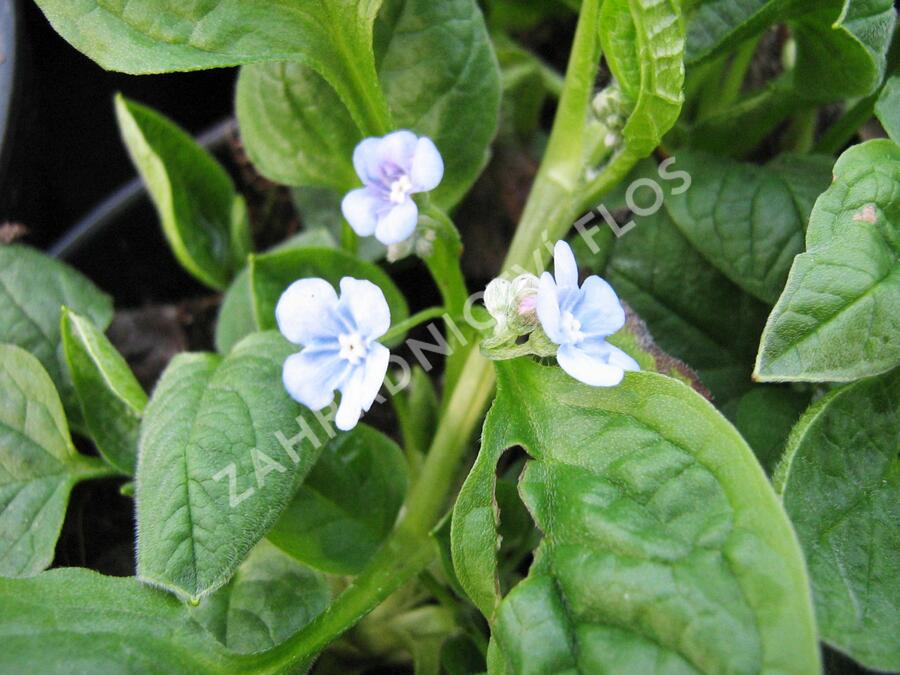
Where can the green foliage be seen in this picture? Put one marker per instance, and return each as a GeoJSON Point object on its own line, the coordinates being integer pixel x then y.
{"type": "Point", "coordinates": [268, 599]}
{"type": "Point", "coordinates": [749, 220]}
{"type": "Point", "coordinates": [39, 466]}
{"type": "Point", "coordinates": [887, 108]}
{"type": "Point", "coordinates": [77, 619]}
{"type": "Point", "coordinates": [33, 288]}
{"type": "Point", "coordinates": [202, 217]}
{"type": "Point", "coordinates": [841, 487]}
{"type": "Point", "coordinates": [212, 474]}
{"type": "Point", "coordinates": [347, 505]}
{"type": "Point", "coordinates": [664, 545]}
{"type": "Point", "coordinates": [644, 43]}
{"type": "Point", "coordinates": [441, 82]}
{"type": "Point", "coordinates": [112, 401]}
{"type": "Point", "coordinates": [837, 319]}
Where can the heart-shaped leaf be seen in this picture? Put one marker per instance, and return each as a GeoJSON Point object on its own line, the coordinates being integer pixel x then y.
{"type": "Point", "coordinates": [839, 315]}
{"type": "Point", "coordinates": [841, 487]}
{"type": "Point", "coordinates": [664, 548]}
{"type": "Point", "coordinates": [216, 467]}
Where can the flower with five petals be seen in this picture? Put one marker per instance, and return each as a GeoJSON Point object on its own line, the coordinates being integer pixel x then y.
{"type": "Point", "coordinates": [393, 168]}
{"type": "Point", "coordinates": [340, 349]}
{"type": "Point", "coordinates": [579, 319]}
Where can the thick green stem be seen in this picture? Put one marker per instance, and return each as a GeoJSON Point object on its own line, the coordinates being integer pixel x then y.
{"type": "Point", "coordinates": [548, 215]}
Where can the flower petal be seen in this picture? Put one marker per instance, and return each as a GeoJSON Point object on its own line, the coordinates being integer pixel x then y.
{"type": "Point", "coordinates": [564, 266]}
{"type": "Point", "coordinates": [590, 368]}
{"type": "Point", "coordinates": [366, 158]}
{"type": "Point", "coordinates": [360, 208]}
{"type": "Point", "coordinates": [312, 375]}
{"type": "Point", "coordinates": [398, 223]}
{"type": "Point", "coordinates": [366, 304]}
{"type": "Point", "coordinates": [307, 311]}
{"type": "Point", "coordinates": [376, 368]}
{"type": "Point", "coordinates": [620, 359]}
{"type": "Point", "coordinates": [427, 166]}
{"type": "Point", "coordinates": [548, 308]}
{"type": "Point", "coordinates": [397, 148]}
{"type": "Point", "coordinates": [599, 309]}
{"type": "Point", "coordinates": [351, 406]}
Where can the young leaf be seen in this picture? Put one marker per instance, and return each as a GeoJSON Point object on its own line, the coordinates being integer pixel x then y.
{"type": "Point", "coordinates": [272, 273]}
{"type": "Point", "coordinates": [215, 467]}
{"type": "Point", "coordinates": [664, 546]}
{"type": "Point", "coordinates": [439, 74]}
{"type": "Point", "coordinates": [347, 505]}
{"type": "Point", "coordinates": [33, 288]}
{"type": "Point", "coordinates": [887, 108]}
{"type": "Point", "coordinates": [839, 315]}
{"type": "Point", "coordinates": [643, 43]}
{"type": "Point", "coordinates": [75, 619]}
{"type": "Point", "coordinates": [749, 220]}
{"type": "Point", "coordinates": [38, 465]}
{"type": "Point", "coordinates": [841, 487]}
{"type": "Point", "coordinates": [155, 36]}
{"type": "Point", "coordinates": [111, 398]}
{"type": "Point", "coordinates": [294, 126]}
{"type": "Point", "coordinates": [269, 598]}
{"type": "Point", "coordinates": [680, 296]}
{"type": "Point", "coordinates": [193, 194]}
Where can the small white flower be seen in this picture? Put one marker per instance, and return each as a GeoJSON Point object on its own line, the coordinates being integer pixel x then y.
{"type": "Point", "coordinates": [579, 319]}
{"type": "Point", "coordinates": [340, 349]}
{"type": "Point", "coordinates": [393, 168]}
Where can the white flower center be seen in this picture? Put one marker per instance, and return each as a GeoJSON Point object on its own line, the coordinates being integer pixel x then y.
{"type": "Point", "coordinates": [571, 328]}
{"type": "Point", "coordinates": [400, 189]}
{"type": "Point", "coordinates": [353, 348]}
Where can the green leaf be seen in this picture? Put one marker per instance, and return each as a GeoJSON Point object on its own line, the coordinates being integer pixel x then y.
{"type": "Point", "coordinates": [112, 400]}
{"type": "Point", "coordinates": [269, 598]}
{"type": "Point", "coordinates": [272, 273]}
{"type": "Point", "coordinates": [294, 126]}
{"type": "Point", "coordinates": [841, 488]}
{"type": "Point", "coordinates": [236, 319]}
{"type": "Point", "coordinates": [680, 296]}
{"type": "Point", "coordinates": [717, 26]}
{"type": "Point", "coordinates": [33, 288]}
{"type": "Point", "coordinates": [38, 465]}
{"type": "Point", "coordinates": [347, 505]}
{"type": "Point", "coordinates": [439, 75]}
{"type": "Point", "coordinates": [154, 36]}
{"type": "Point", "coordinates": [749, 220]}
{"type": "Point", "coordinates": [320, 211]}
{"type": "Point", "coordinates": [643, 42]}
{"type": "Point", "coordinates": [664, 549]}
{"type": "Point", "coordinates": [839, 315]}
{"type": "Point", "coordinates": [215, 467]}
{"type": "Point", "coordinates": [887, 108]}
{"type": "Point", "coordinates": [194, 196]}
{"type": "Point", "coordinates": [74, 619]}
{"type": "Point", "coordinates": [765, 416]}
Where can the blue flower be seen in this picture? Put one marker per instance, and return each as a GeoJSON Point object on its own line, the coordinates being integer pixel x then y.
{"type": "Point", "coordinates": [580, 319]}
{"type": "Point", "coordinates": [340, 351]}
{"type": "Point", "coordinates": [393, 168]}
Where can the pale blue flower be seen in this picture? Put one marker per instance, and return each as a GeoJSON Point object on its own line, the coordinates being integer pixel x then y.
{"type": "Point", "coordinates": [340, 351]}
{"type": "Point", "coordinates": [393, 168]}
{"type": "Point", "coordinates": [580, 319]}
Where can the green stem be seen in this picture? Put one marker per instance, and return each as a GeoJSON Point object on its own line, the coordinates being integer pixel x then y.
{"type": "Point", "coordinates": [406, 325]}
{"type": "Point", "coordinates": [549, 211]}
{"type": "Point", "coordinates": [90, 468]}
